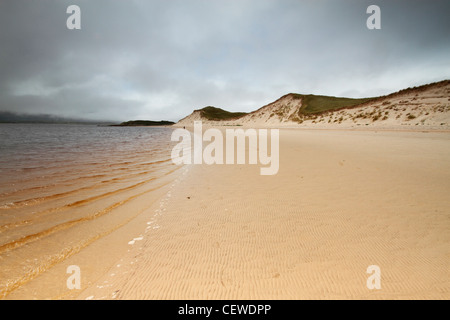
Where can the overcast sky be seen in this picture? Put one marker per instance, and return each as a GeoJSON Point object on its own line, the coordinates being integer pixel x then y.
{"type": "Point", "coordinates": [161, 59]}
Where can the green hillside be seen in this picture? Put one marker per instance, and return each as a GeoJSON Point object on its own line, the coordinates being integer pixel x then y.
{"type": "Point", "coordinates": [212, 113]}
{"type": "Point", "coordinates": [312, 104]}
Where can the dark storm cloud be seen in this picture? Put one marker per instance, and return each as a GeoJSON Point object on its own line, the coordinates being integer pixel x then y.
{"type": "Point", "coordinates": [161, 59]}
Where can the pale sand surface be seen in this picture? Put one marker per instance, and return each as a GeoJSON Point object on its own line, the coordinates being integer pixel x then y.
{"type": "Point", "coordinates": [342, 200]}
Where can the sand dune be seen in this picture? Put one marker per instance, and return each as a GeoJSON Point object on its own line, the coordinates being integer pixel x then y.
{"type": "Point", "coordinates": [422, 107]}
{"type": "Point", "coordinates": [342, 200]}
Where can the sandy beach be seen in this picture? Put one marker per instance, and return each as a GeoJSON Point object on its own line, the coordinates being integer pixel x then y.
{"type": "Point", "coordinates": [341, 201]}
{"type": "Point", "coordinates": [224, 150]}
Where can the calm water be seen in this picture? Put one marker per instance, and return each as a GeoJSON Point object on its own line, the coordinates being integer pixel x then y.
{"type": "Point", "coordinates": [64, 186]}
{"type": "Point", "coordinates": [30, 151]}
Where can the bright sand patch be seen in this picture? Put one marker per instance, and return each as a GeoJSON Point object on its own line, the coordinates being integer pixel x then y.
{"type": "Point", "coordinates": [342, 200]}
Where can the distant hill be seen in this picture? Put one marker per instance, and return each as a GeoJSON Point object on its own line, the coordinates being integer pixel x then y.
{"type": "Point", "coordinates": [144, 123]}
{"type": "Point", "coordinates": [212, 113]}
{"type": "Point", "coordinates": [11, 117]}
{"type": "Point", "coordinates": [427, 105]}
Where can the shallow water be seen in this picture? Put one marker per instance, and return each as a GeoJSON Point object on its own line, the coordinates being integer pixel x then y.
{"type": "Point", "coordinates": [59, 181]}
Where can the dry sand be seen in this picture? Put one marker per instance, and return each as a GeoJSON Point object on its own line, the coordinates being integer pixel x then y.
{"type": "Point", "coordinates": [341, 201]}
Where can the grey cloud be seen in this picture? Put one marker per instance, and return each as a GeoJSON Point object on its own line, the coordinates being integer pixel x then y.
{"type": "Point", "coordinates": [161, 59]}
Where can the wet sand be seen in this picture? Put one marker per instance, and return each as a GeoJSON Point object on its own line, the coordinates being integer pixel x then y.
{"type": "Point", "coordinates": [341, 201]}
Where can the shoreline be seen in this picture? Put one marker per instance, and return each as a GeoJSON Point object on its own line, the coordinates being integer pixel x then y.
{"type": "Point", "coordinates": [88, 185]}
{"type": "Point", "coordinates": [342, 201]}
{"type": "Point", "coordinates": [99, 254]}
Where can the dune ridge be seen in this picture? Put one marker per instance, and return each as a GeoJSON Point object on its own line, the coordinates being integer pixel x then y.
{"type": "Point", "coordinates": [427, 106]}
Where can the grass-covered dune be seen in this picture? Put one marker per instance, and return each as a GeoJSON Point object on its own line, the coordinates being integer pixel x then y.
{"type": "Point", "coordinates": [312, 104]}
{"type": "Point", "coordinates": [213, 113]}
